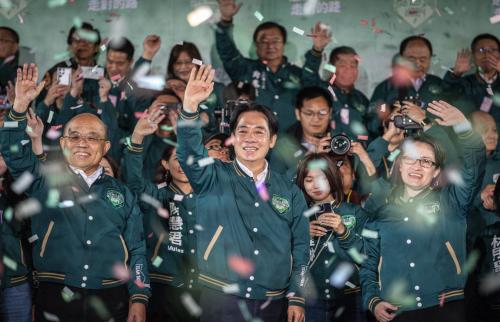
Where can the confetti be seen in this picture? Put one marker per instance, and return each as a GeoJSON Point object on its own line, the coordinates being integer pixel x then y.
{"type": "Point", "coordinates": [311, 211]}
{"type": "Point", "coordinates": [121, 272]}
{"type": "Point", "coordinates": [265, 304]}
{"type": "Point", "coordinates": [150, 200]}
{"type": "Point", "coordinates": [332, 92]}
{"type": "Point", "coordinates": [329, 67]}
{"type": "Point", "coordinates": [241, 265]}
{"type": "Point", "coordinates": [339, 311]}
{"type": "Point", "coordinates": [22, 183]}
{"type": "Point", "coordinates": [197, 62]}
{"type": "Point", "coordinates": [471, 262]}
{"type": "Point", "coordinates": [90, 36]}
{"type": "Point", "coordinates": [11, 124]}
{"type": "Point", "coordinates": [28, 208]}
{"type": "Point", "coordinates": [297, 153]}
{"type": "Point", "coordinates": [10, 263]}
{"type": "Point", "coordinates": [350, 285]}
{"type": "Point", "coordinates": [50, 317]}
{"type": "Point", "coordinates": [310, 7]}
{"type": "Point", "coordinates": [21, 20]}
{"type": "Point", "coordinates": [369, 233]}
{"type": "Point", "coordinates": [76, 107]}
{"type": "Point", "coordinates": [190, 304]}
{"type": "Point", "coordinates": [51, 115]}
{"type": "Point", "coordinates": [495, 19]}
{"type": "Point", "coordinates": [341, 274]}
{"type": "Point", "coordinates": [362, 137]}
{"type": "Point", "coordinates": [205, 162]}
{"type": "Point", "coordinates": [67, 294]}
{"type": "Point", "coordinates": [317, 164]}
{"type": "Point", "coordinates": [394, 154]}
{"type": "Point", "coordinates": [157, 261]}
{"type": "Point", "coordinates": [152, 82]}
{"type": "Point", "coordinates": [8, 214]}
{"type": "Point", "coordinates": [52, 198]}
{"type": "Point", "coordinates": [382, 108]}
{"type": "Point", "coordinates": [355, 255]}
{"type": "Point", "coordinates": [262, 190]}
{"type": "Point", "coordinates": [190, 160]}
{"type": "Point", "coordinates": [98, 305]}
{"type": "Point", "coordinates": [199, 15]}
{"type": "Point", "coordinates": [33, 238]}
{"type": "Point", "coordinates": [331, 247]}
{"type": "Point", "coordinates": [162, 212]}
{"type": "Point", "coordinates": [178, 197]}
{"type": "Point", "coordinates": [231, 288]}
{"type": "Point", "coordinates": [298, 31]}
{"type": "Point", "coordinates": [66, 204]}
{"type": "Point", "coordinates": [5, 4]}
{"type": "Point", "coordinates": [258, 15]}
{"type": "Point", "coordinates": [448, 11]}
{"type": "Point", "coordinates": [455, 177]}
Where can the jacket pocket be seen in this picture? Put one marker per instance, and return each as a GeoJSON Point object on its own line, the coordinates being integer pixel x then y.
{"type": "Point", "coordinates": [212, 242]}
{"type": "Point", "coordinates": [454, 257]}
{"type": "Point", "coordinates": [46, 238]}
{"type": "Point", "coordinates": [125, 251]}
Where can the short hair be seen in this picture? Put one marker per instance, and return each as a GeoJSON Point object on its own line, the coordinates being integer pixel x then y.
{"type": "Point", "coordinates": [342, 50]}
{"type": "Point", "coordinates": [85, 26]}
{"type": "Point", "coordinates": [481, 37]}
{"type": "Point", "coordinates": [187, 47]}
{"type": "Point", "coordinates": [12, 32]}
{"type": "Point", "coordinates": [244, 107]}
{"type": "Point", "coordinates": [122, 45]}
{"type": "Point", "coordinates": [331, 172]}
{"type": "Point", "coordinates": [104, 126]}
{"type": "Point", "coordinates": [269, 25]}
{"type": "Point", "coordinates": [169, 92]}
{"type": "Point", "coordinates": [234, 90]}
{"type": "Point", "coordinates": [311, 92]}
{"type": "Point", "coordinates": [408, 40]}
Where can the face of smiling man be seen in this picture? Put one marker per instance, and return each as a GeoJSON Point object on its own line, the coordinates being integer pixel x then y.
{"type": "Point", "coordinates": [84, 142]}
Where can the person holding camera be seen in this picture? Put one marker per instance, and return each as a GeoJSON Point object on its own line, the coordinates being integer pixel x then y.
{"type": "Point", "coordinates": [276, 80]}
{"type": "Point", "coordinates": [335, 230]}
{"type": "Point", "coordinates": [252, 222]}
{"type": "Point", "coordinates": [421, 227]}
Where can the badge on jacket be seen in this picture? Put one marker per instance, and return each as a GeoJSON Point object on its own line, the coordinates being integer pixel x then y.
{"type": "Point", "coordinates": [115, 197]}
{"type": "Point", "coordinates": [280, 204]}
{"type": "Point", "coordinates": [349, 221]}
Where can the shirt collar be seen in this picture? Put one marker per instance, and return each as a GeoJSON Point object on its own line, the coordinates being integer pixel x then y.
{"type": "Point", "coordinates": [488, 81]}
{"type": "Point", "coordinates": [417, 82]}
{"type": "Point", "coordinates": [260, 177]}
{"type": "Point", "coordinates": [88, 179]}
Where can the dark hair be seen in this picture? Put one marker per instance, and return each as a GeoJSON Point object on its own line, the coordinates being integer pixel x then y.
{"type": "Point", "coordinates": [311, 92]}
{"type": "Point", "coordinates": [161, 173]}
{"type": "Point", "coordinates": [122, 45]}
{"type": "Point", "coordinates": [481, 37]}
{"type": "Point", "coordinates": [272, 122]}
{"type": "Point", "coordinates": [407, 41]}
{"type": "Point", "coordinates": [346, 158]}
{"type": "Point", "coordinates": [269, 25]}
{"type": "Point", "coordinates": [13, 33]}
{"type": "Point", "coordinates": [187, 47]}
{"type": "Point", "coordinates": [439, 155]}
{"type": "Point", "coordinates": [114, 166]}
{"type": "Point", "coordinates": [85, 26]}
{"type": "Point", "coordinates": [342, 50]}
{"type": "Point", "coordinates": [496, 197]}
{"type": "Point", "coordinates": [331, 172]}
{"type": "Point", "coordinates": [234, 90]}
{"type": "Point", "coordinates": [169, 92]}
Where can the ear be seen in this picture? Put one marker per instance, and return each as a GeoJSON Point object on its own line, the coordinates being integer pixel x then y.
{"type": "Point", "coordinates": [107, 146]}
{"type": "Point", "coordinates": [165, 165]}
{"type": "Point", "coordinates": [297, 114]}
{"type": "Point", "coordinates": [436, 173]}
{"type": "Point", "coordinates": [273, 141]}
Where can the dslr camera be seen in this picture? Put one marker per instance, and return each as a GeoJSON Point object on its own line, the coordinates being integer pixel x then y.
{"type": "Point", "coordinates": [340, 144]}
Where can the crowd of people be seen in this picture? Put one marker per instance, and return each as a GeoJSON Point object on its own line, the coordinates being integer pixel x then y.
{"type": "Point", "coordinates": [278, 197]}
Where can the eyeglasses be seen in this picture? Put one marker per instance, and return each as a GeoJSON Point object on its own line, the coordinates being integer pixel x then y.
{"type": "Point", "coordinates": [484, 51]}
{"type": "Point", "coordinates": [4, 40]}
{"type": "Point", "coordinates": [424, 163]}
{"type": "Point", "coordinates": [75, 138]}
{"type": "Point", "coordinates": [311, 114]}
{"type": "Point", "coordinates": [217, 147]}
{"type": "Point", "coordinates": [180, 63]}
{"type": "Point", "coordinates": [269, 43]}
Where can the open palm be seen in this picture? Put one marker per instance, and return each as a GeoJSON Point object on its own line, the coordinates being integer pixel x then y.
{"type": "Point", "coordinates": [26, 86]}
{"type": "Point", "coordinates": [199, 87]}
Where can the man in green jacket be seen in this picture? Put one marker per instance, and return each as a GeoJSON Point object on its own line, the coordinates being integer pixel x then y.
{"type": "Point", "coordinates": [89, 226]}
{"type": "Point", "coordinates": [253, 238]}
{"type": "Point", "coordinates": [275, 80]}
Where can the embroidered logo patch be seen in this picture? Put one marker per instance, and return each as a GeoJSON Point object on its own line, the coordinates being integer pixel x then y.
{"type": "Point", "coordinates": [349, 221]}
{"type": "Point", "coordinates": [115, 197]}
{"type": "Point", "coordinates": [280, 204]}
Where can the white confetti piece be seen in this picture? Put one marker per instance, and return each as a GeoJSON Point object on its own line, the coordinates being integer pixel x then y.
{"type": "Point", "coordinates": [455, 177]}
{"type": "Point", "coordinates": [51, 115]}
{"type": "Point", "coordinates": [297, 153]}
{"type": "Point", "coordinates": [33, 238]}
{"type": "Point", "coordinates": [50, 317]}
{"type": "Point", "coordinates": [369, 233]}
{"type": "Point", "coordinates": [157, 261]}
{"type": "Point", "coordinates": [198, 227]}
{"type": "Point", "coordinates": [67, 294]}
{"type": "Point", "coordinates": [394, 154]}
{"type": "Point", "coordinates": [190, 304]}
{"type": "Point", "coordinates": [28, 208]}
{"type": "Point", "coordinates": [258, 15]}
{"type": "Point", "coordinates": [52, 198]}
{"type": "Point", "coordinates": [162, 185]}
{"type": "Point", "coordinates": [341, 274]}
{"type": "Point", "coordinates": [205, 161]}
{"type": "Point", "coordinates": [331, 247]}
{"type": "Point", "coordinates": [317, 164]}
{"type": "Point", "coordinates": [199, 15]}
{"type": "Point", "coordinates": [197, 62]}
{"type": "Point", "coordinates": [178, 197]}
{"type": "Point", "coordinates": [24, 142]}
{"type": "Point", "coordinates": [350, 285]}
{"type": "Point", "coordinates": [75, 107]}
{"type": "Point", "coordinates": [329, 67]}
{"type": "Point", "coordinates": [22, 183]}
{"type": "Point", "coordinates": [495, 19]}
{"type": "Point", "coordinates": [150, 200]}
{"type": "Point", "coordinates": [152, 82]}
{"type": "Point", "coordinates": [355, 255]}
{"type": "Point", "coordinates": [231, 288]}
{"type": "Point", "coordinates": [66, 204]}
{"type": "Point", "coordinates": [190, 160]}
{"type": "Point", "coordinates": [298, 31]}
{"type": "Point", "coordinates": [11, 124]}
{"type": "Point", "coordinates": [311, 211]}
{"type": "Point", "coordinates": [10, 263]}
{"type": "Point", "coordinates": [383, 108]}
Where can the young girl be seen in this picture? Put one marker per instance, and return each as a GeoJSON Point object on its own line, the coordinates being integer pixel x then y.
{"type": "Point", "coordinates": [334, 241]}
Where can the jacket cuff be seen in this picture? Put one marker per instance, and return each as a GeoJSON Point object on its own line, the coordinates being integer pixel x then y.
{"type": "Point", "coordinates": [345, 235]}
{"type": "Point", "coordinates": [296, 300]}
{"type": "Point", "coordinates": [225, 24]}
{"type": "Point", "coordinates": [139, 298]}
{"type": "Point", "coordinates": [373, 303]}
{"type": "Point", "coordinates": [16, 116]}
{"type": "Point", "coordinates": [135, 148]}
{"type": "Point", "coordinates": [463, 129]}
{"type": "Point", "coordinates": [316, 53]}
{"type": "Point", "coordinates": [189, 116]}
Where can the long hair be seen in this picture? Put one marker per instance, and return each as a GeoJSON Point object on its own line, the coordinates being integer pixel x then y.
{"type": "Point", "coordinates": [331, 172]}
{"type": "Point", "coordinates": [187, 47]}
{"type": "Point", "coordinates": [162, 175]}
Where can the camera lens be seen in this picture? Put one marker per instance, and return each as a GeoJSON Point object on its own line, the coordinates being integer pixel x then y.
{"type": "Point", "coordinates": [340, 144]}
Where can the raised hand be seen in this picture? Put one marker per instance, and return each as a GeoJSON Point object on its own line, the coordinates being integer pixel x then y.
{"type": "Point", "coordinates": [55, 91]}
{"type": "Point", "coordinates": [448, 114]}
{"type": "Point", "coordinates": [199, 87]}
{"type": "Point", "coordinates": [76, 83]}
{"type": "Point", "coordinates": [321, 36]}
{"type": "Point", "coordinates": [228, 9]}
{"type": "Point", "coordinates": [462, 63]}
{"type": "Point", "coordinates": [34, 126]}
{"type": "Point", "coordinates": [26, 89]}
{"type": "Point", "coordinates": [151, 46]}
{"type": "Point", "coordinates": [147, 124]}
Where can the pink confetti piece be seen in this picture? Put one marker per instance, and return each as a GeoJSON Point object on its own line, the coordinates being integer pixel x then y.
{"type": "Point", "coordinates": [53, 134]}
{"type": "Point", "coordinates": [374, 22]}
{"type": "Point", "coordinates": [333, 125]}
{"type": "Point", "coordinates": [364, 22]}
{"type": "Point", "coordinates": [262, 190]}
{"type": "Point", "coordinates": [495, 19]}
{"type": "Point", "coordinates": [363, 137]}
{"type": "Point", "coordinates": [241, 265]}
{"type": "Point", "coordinates": [163, 213]}
{"type": "Point", "coordinates": [139, 283]}
{"type": "Point", "coordinates": [112, 99]}
{"type": "Point", "coordinates": [121, 272]}
{"type": "Point", "coordinates": [332, 80]}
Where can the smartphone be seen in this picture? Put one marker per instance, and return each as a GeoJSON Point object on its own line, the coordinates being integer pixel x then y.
{"type": "Point", "coordinates": [323, 209]}
{"type": "Point", "coordinates": [89, 72]}
{"type": "Point", "coordinates": [64, 76]}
